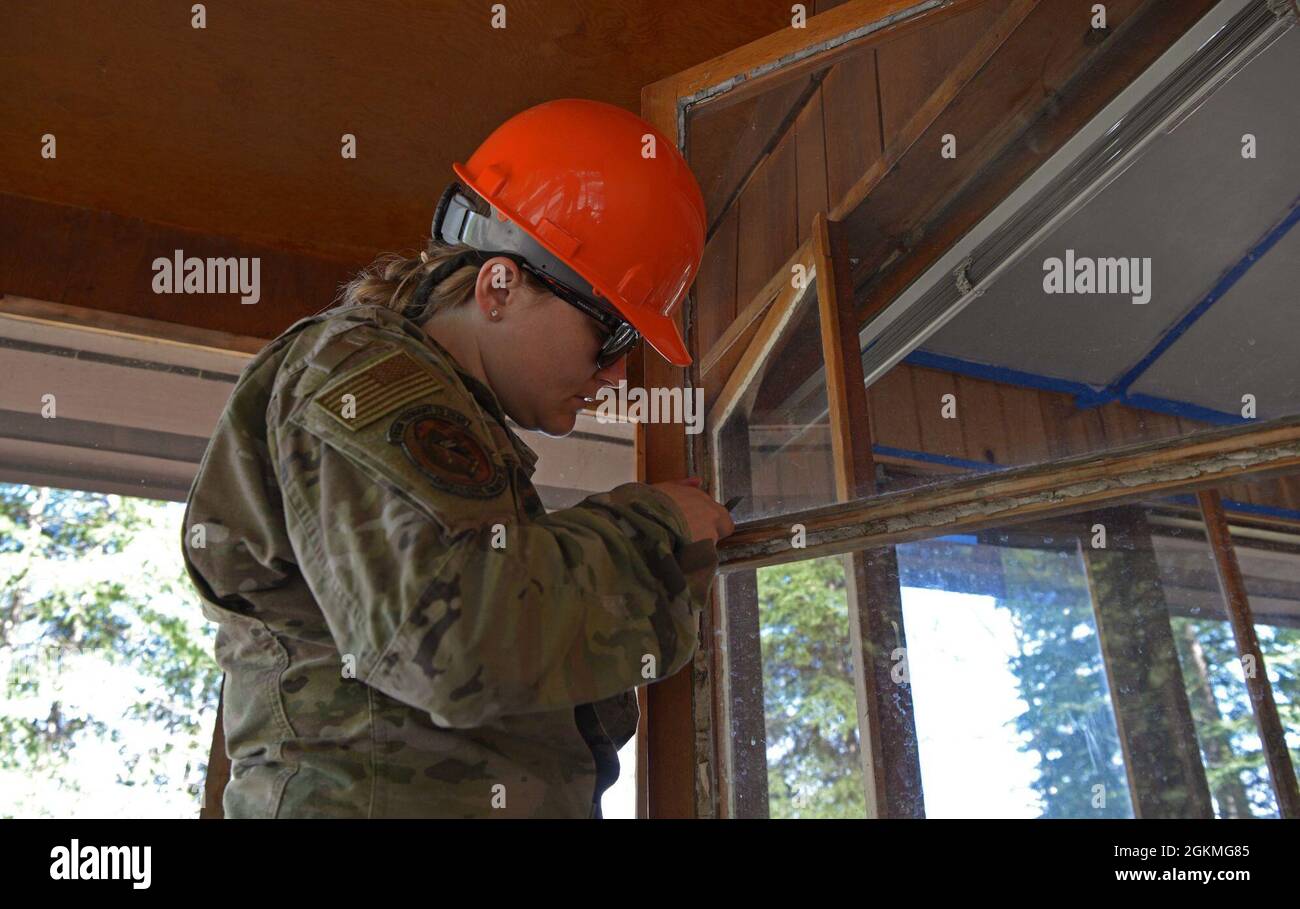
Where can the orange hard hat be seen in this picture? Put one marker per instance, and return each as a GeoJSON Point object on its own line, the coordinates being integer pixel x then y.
{"type": "Point", "coordinates": [611, 200]}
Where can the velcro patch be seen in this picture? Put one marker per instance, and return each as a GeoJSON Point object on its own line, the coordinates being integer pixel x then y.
{"type": "Point", "coordinates": [439, 442]}
{"type": "Point", "coordinates": [385, 385]}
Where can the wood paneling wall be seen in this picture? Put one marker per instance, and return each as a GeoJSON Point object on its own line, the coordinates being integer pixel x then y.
{"type": "Point", "coordinates": [105, 262]}
{"type": "Point", "coordinates": [995, 424]}
{"type": "Point", "coordinates": [818, 143]}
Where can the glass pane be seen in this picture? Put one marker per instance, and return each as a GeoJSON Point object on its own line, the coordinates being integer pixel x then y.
{"type": "Point", "coordinates": [814, 766]}
{"type": "Point", "coordinates": [1007, 673]}
{"type": "Point", "coordinates": [792, 711]}
{"type": "Point", "coordinates": [1265, 530]}
{"type": "Point", "coordinates": [1161, 307]}
{"type": "Point", "coordinates": [1029, 648]}
{"type": "Point", "coordinates": [775, 447]}
{"type": "Point", "coordinates": [768, 162]}
{"type": "Point", "coordinates": [770, 152]}
{"type": "Point", "coordinates": [727, 140]}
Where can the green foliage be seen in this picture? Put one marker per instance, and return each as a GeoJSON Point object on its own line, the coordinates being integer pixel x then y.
{"type": "Point", "coordinates": [1225, 724]}
{"type": "Point", "coordinates": [811, 708]}
{"type": "Point", "coordinates": [92, 587]}
{"type": "Point", "coordinates": [1069, 722]}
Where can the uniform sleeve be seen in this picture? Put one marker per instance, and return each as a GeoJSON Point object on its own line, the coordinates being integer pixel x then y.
{"type": "Point", "coordinates": [444, 595]}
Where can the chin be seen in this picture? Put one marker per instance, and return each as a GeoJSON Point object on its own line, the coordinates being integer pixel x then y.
{"type": "Point", "coordinates": [559, 425]}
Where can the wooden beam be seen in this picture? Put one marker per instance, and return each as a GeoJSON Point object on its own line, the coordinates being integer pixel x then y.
{"type": "Point", "coordinates": [668, 725]}
{"type": "Point", "coordinates": [793, 290]}
{"type": "Point", "coordinates": [891, 766]}
{"type": "Point", "coordinates": [1162, 758]}
{"type": "Point", "coordinates": [976, 502]}
{"type": "Point", "coordinates": [154, 330]}
{"type": "Point", "coordinates": [740, 714]}
{"type": "Point", "coordinates": [218, 773]}
{"type": "Point", "coordinates": [642, 756]}
{"type": "Point", "coordinates": [740, 349]}
{"type": "Point", "coordinates": [846, 393]}
{"type": "Point", "coordinates": [106, 266]}
{"type": "Point", "coordinates": [1281, 772]}
{"type": "Point", "coordinates": [661, 454]}
{"type": "Point", "coordinates": [790, 52]}
{"type": "Point", "coordinates": [741, 736]}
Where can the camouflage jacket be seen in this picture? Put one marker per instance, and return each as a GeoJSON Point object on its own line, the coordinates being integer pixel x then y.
{"type": "Point", "coordinates": [405, 631]}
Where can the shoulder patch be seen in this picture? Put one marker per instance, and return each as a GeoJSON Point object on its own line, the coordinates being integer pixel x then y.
{"type": "Point", "coordinates": [362, 397]}
{"type": "Point", "coordinates": [439, 442]}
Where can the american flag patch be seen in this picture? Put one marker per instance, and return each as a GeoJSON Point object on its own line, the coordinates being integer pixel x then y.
{"type": "Point", "coordinates": [380, 388]}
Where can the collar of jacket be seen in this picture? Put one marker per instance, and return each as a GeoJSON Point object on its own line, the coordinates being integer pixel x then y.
{"type": "Point", "coordinates": [484, 395]}
{"type": "Point", "coordinates": [487, 398]}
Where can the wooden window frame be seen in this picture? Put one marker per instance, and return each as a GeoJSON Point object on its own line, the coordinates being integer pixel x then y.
{"type": "Point", "coordinates": [864, 526]}
{"type": "Point", "coordinates": [678, 768]}
{"type": "Point", "coordinates": [676, 764]}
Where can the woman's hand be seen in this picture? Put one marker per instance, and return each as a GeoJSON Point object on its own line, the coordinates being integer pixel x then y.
{"type": "Point", "coordinates": [705, 518]}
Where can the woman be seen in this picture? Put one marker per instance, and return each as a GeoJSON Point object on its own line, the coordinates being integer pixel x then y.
{"type": "Point", "coordinates": [404, 630]}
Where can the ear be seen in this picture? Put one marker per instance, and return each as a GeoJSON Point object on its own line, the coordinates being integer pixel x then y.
{"type": "Point", "coordinates": [498, 276]}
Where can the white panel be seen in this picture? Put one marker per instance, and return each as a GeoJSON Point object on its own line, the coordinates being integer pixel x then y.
{"type": "Point", "coordinates": [1245, 343]}
{"type": "Point", "coordinates": [1191, 203]}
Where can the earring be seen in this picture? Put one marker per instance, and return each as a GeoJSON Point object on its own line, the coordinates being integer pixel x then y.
{"type": "Point", "coordinates": [494, 314]}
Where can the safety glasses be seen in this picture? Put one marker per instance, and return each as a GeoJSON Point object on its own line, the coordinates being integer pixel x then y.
{"type": "Point", "coordinates": [459, 219]}
{"type": "Point", "coordinates": [621, 338]}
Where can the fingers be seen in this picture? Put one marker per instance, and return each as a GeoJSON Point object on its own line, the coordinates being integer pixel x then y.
{"type": "Point", "coordinates": [722, 523]}
{"type": "Point", "coordinates": [726, 526]}
{"type": "Point", "coordinates": [705, 511]}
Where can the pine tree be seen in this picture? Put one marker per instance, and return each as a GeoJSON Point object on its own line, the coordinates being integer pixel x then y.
{"type": "Point", "coordinates": [92, 587]}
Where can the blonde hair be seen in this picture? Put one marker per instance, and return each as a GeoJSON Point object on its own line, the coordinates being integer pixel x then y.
{"type": "Point", "coordinates": [391, 280]}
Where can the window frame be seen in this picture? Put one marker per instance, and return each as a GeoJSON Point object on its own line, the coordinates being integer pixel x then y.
{"type": "Point", "coordinates": [687, 769]}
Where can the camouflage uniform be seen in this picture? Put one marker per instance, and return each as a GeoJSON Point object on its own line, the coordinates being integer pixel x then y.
{"type": "Point", "coordinates": [383, 657]}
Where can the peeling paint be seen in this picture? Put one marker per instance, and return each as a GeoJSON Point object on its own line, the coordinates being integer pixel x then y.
{"type": "Point", "coordinates": [1163, 480]}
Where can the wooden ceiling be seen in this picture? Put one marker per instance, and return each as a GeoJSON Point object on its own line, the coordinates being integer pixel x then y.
{"type": "Point", "coordinates": [234, 130]}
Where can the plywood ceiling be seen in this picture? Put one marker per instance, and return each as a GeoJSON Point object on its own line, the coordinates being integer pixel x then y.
{"type": "Point", "coordinates": [234, 129]}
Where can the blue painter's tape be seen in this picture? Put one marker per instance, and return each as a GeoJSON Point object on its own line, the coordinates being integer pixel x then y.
{"type": "Point", "coordinates": [1246, 507]}
{"type": "Point", "coordinates": [935, 458]}
{"type": "Point", "coordinates": [995, 373]}
{"type": "Point", "coordinates": [1182, 409]}
{"type": "Point", "coordinates": [1086, 396]}
{"type": "Point", "coordinates": [1231, 277]}
{"type": "Point", "coordinates": [967, 539]}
